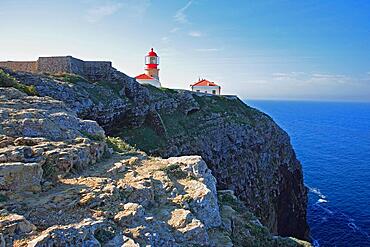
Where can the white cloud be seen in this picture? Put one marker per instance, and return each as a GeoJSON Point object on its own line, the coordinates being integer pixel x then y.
{"type": "Point", "coordinates": [288, 76]}
{"type": "Point", "coordinates": [310, 78]}
{"type": "Point", "coordinates": [208, 49]}
{"type": "Point", "coordinates": [97, 13]}
{"type": "Point", "coordinates": [195, 34]}
{"type": "Point", "coordinates": [180, 15]}
{"type": "Point", "coordinates": [135, 8]}
{"type": "Point", "coordinates": [174, 30]}
{"type": "Point", "coordinates": [165, 39]}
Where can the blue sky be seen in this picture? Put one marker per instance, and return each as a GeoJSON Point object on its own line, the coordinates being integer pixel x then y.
{"type": "Point", "coordinates": [273, 49]}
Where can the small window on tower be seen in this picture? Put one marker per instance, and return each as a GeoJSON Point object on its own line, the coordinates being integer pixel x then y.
{"type": "Point", "coordinates": [153, 60]}
{"type": "Point", "coordinates": [213, 91]}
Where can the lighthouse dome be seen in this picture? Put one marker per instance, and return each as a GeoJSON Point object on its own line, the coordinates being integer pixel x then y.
{"type": "Point", "coordinates": [152, 53]}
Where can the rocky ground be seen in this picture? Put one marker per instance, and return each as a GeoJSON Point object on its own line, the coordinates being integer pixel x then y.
{"type": "Point", "coordinates": [60, 184]}
{"type": "Point", "coordinates": [133, 200]}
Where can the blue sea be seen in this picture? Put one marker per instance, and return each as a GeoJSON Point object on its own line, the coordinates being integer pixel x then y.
{"type": "Point", "coordinates": [332, 141]}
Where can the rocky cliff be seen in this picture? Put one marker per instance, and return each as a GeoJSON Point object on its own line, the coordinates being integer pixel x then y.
{"type": "Point", "coordinates": [248, 154]}
{"type": "Point", "coordinates": [246, 151]}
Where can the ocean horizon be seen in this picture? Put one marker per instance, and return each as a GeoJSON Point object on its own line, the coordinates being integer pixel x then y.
{"type": "Point", "coordinates": [332, 141]}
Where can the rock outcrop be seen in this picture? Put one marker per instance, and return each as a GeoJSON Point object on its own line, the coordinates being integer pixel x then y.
{"type": "Point", "coordinates": [121, 101]}
{"type": "Point", "coordinates": [153, 201]}
{"type": "Point", "coordinates": [176, 197]}
{"type": "Point", "coordinates": [246, 151]}
{"type": "Point", "coordinates": [41, 138]}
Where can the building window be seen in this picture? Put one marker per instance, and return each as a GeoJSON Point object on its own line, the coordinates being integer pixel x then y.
{"type": "Point", "coordinates": [213, 91]}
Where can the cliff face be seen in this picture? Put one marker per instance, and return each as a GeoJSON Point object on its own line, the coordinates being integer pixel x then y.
{"type": "Point", "coordinates": [246, 151]}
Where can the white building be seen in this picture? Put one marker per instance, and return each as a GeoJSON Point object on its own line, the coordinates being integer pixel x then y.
{"type": "Point", "coordinates": [151, 76]}
{"type": "Point", "coordinates": [205, 86]}
{"type": "Point", "coordinates": [146, 79]}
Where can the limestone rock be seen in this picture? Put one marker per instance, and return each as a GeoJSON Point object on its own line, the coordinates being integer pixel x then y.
{"type": "Point", "coordinates": [12, 227]}
{"type": "Point", "coordinates": [245, 150]}
{"type": "Point", "coordinates": [203, 194]}
{"type": "Point", "coordinates": [41, 138]}
{"type": "Point", "coordinates": [20, 176]}
{"type": "Point", "coordinates": [131, 213]}
{"type": "Point", "coordinates": [81, 234]}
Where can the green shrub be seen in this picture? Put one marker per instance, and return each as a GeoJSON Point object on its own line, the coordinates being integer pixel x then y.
{"type": "Point", "coordinates": [91, 136]}
{"type": "Point", "coordinates": [49, 170]}
{"type": "Point", "coordinates": [119, 145]}
{"type": "Point", "coordinates": [7, 80]}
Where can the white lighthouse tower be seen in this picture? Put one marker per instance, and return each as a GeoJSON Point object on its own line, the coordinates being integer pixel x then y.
{"type": "Point", "coordinates": [151, 76]}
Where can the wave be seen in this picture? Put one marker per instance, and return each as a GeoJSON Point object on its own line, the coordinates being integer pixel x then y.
{"type": "Point", "coordinates": [321, 201]}
{"type": "Point", "coordinates": [328, 213]}
{"type": "Point", "coordinates": [317, 192]}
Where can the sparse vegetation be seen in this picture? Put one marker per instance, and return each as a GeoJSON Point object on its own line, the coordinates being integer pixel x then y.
{"type": "Point", "coordinates": [7, 80]}
{"type": "Point", "coordinates": [118, 145]}
{"type": "Point", "coordinates": [92, 137]}
{"type": "Point", "coordinates": [174, 171]}
{"type": "Point", "coordinates": [70, 78]}
{"type": "Point", "coordinates": [144, 138]}
{"type": "Point", "coordinates": [160, 90]}
{"type": "Point", "coordinates": [115, 87]}
{"type": "Point", "coordinates": [227, 110]}
{"type": "Point", "coordinates": [49, 171]}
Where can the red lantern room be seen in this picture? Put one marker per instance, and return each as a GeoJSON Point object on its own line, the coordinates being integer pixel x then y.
{"type": "Point", "coordinates": [152, 62]}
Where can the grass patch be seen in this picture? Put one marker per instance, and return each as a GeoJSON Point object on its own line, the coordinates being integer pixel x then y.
{"type": "Point", "coordinates": [144, 138]}
{"type": "Point", "coordinates": [7, 80]}
{"type": "Point", "coordinates": [159, 90]}
{"type": "Point", "coordinates": [234, 110]}
{"type": "Point", "coordinates": [118, 145]}
{"type": "Point", "coordinates": [70, 78]}
{"type": "Point", "coordinates": [91, 136]}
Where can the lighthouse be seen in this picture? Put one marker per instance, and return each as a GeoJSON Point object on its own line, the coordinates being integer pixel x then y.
{"type": "Point", "coordinates": [151, 76]}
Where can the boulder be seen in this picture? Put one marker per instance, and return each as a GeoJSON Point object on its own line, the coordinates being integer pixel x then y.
{"type": "Point", "coordinates": [20, 176]}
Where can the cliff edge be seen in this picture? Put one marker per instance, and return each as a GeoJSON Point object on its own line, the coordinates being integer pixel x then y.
{"type": "Point", "coordinates": [248, 154]}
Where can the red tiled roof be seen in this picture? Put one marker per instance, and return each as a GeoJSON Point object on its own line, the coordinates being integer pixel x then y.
{"type": "Point", "coordinates": [204, 83]}
{"type": "Point", "coordinates": [144, 77]}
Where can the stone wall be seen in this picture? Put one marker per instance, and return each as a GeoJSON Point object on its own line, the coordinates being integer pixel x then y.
{"type": "Point", "coordinates": [76, 66]}
{"type": "Point", "coordinates": [28, 66]}
{"type": "Point", "coordinates": [97, 70]}
{"type": "Point", "coordinates": [54, 65]}
{"type": "Point", "coordinates": [92, 70]}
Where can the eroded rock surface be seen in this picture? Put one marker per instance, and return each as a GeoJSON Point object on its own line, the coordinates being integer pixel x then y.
{"type": "Point", "coordinates": [40, 138]}
{"type": "Point", "coordinates": [246, 151]}
{"type": "Point", "coordinates": [156, 202]}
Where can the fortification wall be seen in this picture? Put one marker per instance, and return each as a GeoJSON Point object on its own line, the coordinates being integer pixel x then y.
{"type": "Point", "coordinates": [97, 70]}
{"type": "Point", "coordinates": [76, 66]}
{"type": "Point", "coordinates": [27, 66]}
{"type": "Point", "coordinates": [92, 70]}
{"type": "Point", "coordinates": [54, 65]}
